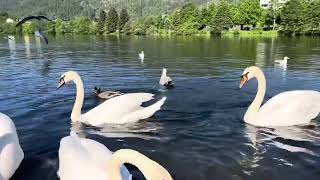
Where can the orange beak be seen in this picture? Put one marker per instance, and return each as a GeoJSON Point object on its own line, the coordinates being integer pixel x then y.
{"type": "Point", "coordinates": [243, 80]}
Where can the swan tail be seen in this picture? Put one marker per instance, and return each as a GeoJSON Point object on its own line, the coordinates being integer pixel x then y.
{"type": "Point", "coordinates": [144, 112]}
{"type": "Point", "coordinates": [150, 110]}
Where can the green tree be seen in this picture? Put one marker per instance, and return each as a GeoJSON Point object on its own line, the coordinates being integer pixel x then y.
{"type": "Point", "coordinates": [124, 18]}
{"type": "Point", "coordinates": [222, 19]}
{"type": "Point", "coordinates": [313, 15]}
{"type": "Point", "coordinates": [207, 14]}
{"type": "Point", "coordinates": [101, 22]}
{"type": "Point", "coordinates": [249, 12]}
{"type": "Point", "coordinates": [292, 16]}
{"type": "Point", "coordinates": [112, 20]}
{"type": "Point", "coordinates": [80, 25]}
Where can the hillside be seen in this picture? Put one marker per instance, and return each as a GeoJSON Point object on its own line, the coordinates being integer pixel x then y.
{"type": "Point", "coordinates": [67, 9]}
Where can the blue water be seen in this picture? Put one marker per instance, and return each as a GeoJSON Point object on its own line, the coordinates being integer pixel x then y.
{"type": "Point", "coordinates": [198, 134]}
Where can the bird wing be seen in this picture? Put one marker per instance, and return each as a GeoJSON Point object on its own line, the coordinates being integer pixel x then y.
{"type": "Point", "coordinates": [27, 19]}
{"type": "Point", "coordinates": [44, 17]}
{"type": "Point", "coordinates": [291, 108]}
{"type": "Point", "coordinates": [278, 61]}
{"type": "Point", "coordinates": [114, 109]}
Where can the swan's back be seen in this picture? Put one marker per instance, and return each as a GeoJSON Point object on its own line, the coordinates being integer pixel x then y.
{"type": "Point", "coordinates": [84, 159]}
{"type": "Point", "coordinates": [114, 109]}
{"type": "Point", "coordinates": [11, 153]}
{"type": "Point", "coordinates": [290, 108]}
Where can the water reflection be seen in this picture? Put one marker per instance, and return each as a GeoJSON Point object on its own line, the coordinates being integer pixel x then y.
{"type": "Point", "coordinates": [12, 46]}
{"type": "Point", "coordinates": [141, 130]}
{"type": "Point", "coordinates": [27, 46]}
{"type": "Point", "coordinates": [38, 44]}
{"type": "Point", "coordinates": [282, 137]}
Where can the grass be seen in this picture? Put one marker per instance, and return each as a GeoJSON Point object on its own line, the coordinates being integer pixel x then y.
{"type": "Point", "coordinates": [254, 33]}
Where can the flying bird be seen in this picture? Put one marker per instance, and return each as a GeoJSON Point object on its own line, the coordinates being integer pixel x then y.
{"type": "Point", "coordinates": [39, 18]}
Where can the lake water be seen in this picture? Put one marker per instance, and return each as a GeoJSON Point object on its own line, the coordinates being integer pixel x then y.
{"type": "Point", "coordinates": [198, 134]}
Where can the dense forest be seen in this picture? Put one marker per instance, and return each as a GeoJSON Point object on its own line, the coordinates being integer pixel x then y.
{"type": "Point", "coordinates": [142, 17]}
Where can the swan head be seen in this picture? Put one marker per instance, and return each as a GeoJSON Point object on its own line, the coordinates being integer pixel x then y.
{"type": "Point", "coordinates": [286, 58]}
{"type": "Point", "coordinates": [248, 74]}
{"type": "Point", "coordinates": [164, 71]}
{"type": "Point", "coordinates": [67, 77]}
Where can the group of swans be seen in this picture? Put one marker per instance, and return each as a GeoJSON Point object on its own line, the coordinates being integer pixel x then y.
{"type": "Point", "coordinates": [81, 158]}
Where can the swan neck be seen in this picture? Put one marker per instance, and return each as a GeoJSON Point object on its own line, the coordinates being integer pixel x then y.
{"type": "Point", "coordinates": [256, 103]}
{"type": "Point", "coordinates": [149, 168]}
{"type": "Point", "coordinates": [76, 111]}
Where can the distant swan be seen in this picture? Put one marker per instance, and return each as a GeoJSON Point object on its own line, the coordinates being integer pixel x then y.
{"type": "Point", "coordinates": [106, 94]}
{"type": "Point", "coordinates": [121, 109]}
{"type": "Point", "coordinates": [166, 80]}
{"type": "Point", "coordinates": [141, 55]}
{"type": "Point", "coordinates": [285, 109]}
{"type": "Point", "coordinates": [11, 153]}
{"type": "Point", "coordinates": [84, 159]}
{"type": "Point", "coordinates": [282, 62]}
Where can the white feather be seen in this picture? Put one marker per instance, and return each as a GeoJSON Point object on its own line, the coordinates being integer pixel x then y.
{"type": "Point", "coordinates": [122, 109]}
{"type": "Point", "coordinates": [11, 153]}
{"type": "Point", "coordinates": [290, 108]}
{"type": "Point", "coordinates": [84, 159]}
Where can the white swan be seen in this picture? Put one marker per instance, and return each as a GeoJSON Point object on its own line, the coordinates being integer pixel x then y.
{"type": "Point", "coordinates": [121, 109]}
{"type": "Point", "coordinates": [285, 109]}
{"type": "Point", "coordinates": [166, 80]}
{"type": "Point", "coordinates": [141, 55]}
{"type": "Point", "coordinates": [282, 62]}
{"type": "Point", "coordinates": [84, 159]}
{"type": "Point", "coordinates": [11, 153]}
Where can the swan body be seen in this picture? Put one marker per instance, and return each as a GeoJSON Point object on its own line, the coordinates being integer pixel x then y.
{"type": "Point", "coordinates": [84, 159]}
{"type": "Point", "coordinates": [106, 94]}
{"type": "Point", "coordinates": [282, 62]}
{"type": "Point", "coordinates": [141, 55]}
{"type": "Point", "coordinates": [11, 153]}
{"type": "Point", "coordinates": [121, 109]}
{"type": "Point", "coordinates": [166, 80]}
{"type": "Point", "coordinates": [285, 109]}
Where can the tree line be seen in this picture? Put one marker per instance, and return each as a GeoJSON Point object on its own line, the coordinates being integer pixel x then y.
{"type": "Point", "coordinates": [293, 18]}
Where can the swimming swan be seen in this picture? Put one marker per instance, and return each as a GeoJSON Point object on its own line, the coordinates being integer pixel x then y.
{"type": "Point", "coordinates": [84, 159]}
{"type": "Point", "coordinates": [285, 109]}
{"type": "Point", "coordinates": [282, 62]}
{"type": "Point", "coordinates": [121, 109]}
{"type": "Point", "coordinates": [165, 80]}
{"type": "Point", "coordinates": [11, 153]}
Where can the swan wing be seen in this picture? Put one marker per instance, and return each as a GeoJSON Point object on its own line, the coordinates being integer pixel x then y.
{"type": "Point", "coordinates": [114, 109]}
{"type": "Point", "coordinates": [81, 158]}
{"type": "Point", "coordinates": [290, 108]}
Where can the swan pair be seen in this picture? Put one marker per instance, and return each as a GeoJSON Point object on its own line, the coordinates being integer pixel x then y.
{"type": "Point", "coordinates": [79, 158]}
{"type": "Point", "coordinates": [94, 160]}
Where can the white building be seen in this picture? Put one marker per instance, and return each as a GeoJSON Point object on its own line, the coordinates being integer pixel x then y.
{"type": "Point", "coordinates": [9, 20]}
{"type": "Point", "coordinates": [265, 4]}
